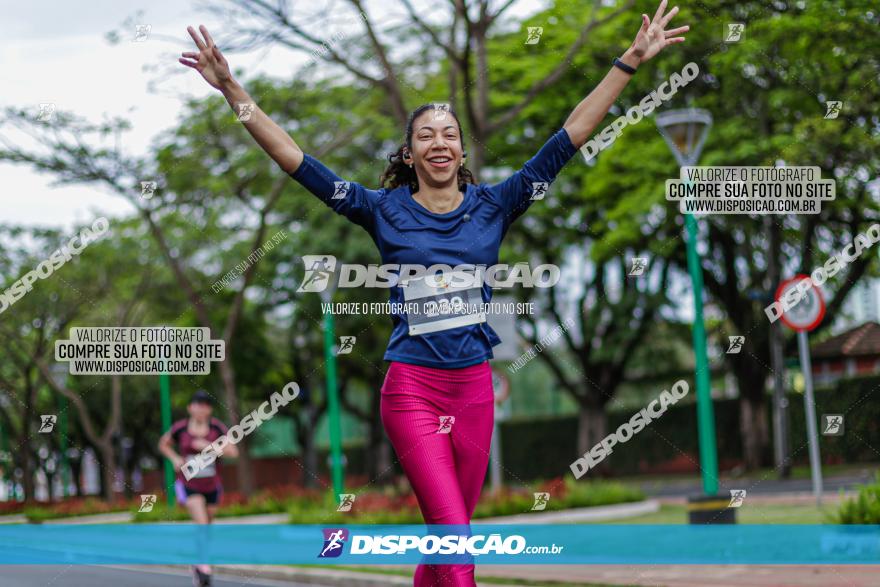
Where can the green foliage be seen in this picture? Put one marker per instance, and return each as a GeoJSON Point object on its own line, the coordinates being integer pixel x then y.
{"type": "Point", "coordinates": [565, 493]}
{"type": "Point", "coordinates": [864, 508]}
{"type": "Point", "coordinates": [666, 439]}
{"type": "Point", "coordinates": [373, 508]}
{"type": "Point", "coordinates": [72, 508]}
{"type": "Point", "coordinates": [673, 437]}
{"type": "Point", "coordinates": [390, 506]}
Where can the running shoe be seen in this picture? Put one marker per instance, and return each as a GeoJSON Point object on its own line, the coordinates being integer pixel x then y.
{"type": "Point", "coordinates": [200, 579]}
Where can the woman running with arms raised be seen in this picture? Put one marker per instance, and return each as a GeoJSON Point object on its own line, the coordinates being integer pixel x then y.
{"type": "Point", "coordinates": [429, 211]}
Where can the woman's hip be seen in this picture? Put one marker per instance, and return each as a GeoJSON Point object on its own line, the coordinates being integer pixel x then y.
{"type": "Point", "coordinates": [472, 383]}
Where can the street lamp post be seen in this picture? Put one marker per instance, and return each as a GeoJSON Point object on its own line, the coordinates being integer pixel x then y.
{"type": "Point", "coordinates": [59, 374]}
{"type": "Point", "coordinates": [685, 132]}
{"type": "Point", "coordinates": [165, 412]}
{"type": "Point", "coordinates": [332, 392]}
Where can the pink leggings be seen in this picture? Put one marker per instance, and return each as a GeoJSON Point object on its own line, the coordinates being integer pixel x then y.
{"type": "Point", "coordinates": [445, 460]}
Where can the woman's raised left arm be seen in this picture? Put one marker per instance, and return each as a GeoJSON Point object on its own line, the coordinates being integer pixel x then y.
{"type": "Point", "coordinates": [651, 38]}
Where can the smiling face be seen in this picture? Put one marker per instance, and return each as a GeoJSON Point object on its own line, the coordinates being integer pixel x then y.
{"type": "Point", "coordinates": [436, 152]}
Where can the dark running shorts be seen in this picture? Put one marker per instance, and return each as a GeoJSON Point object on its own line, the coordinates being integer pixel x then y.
{"type": "Point", "coordinates": [182, 491]}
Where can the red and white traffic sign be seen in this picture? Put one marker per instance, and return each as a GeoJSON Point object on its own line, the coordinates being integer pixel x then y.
{"type": "Point", "coordinates": [500, 385]}
{"type": "Point", "coordinates": [805, 314]}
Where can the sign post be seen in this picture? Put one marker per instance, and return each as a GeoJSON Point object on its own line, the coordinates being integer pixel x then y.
{"type": "Point", "coordinates": [804, 316]}
{"type": "Point", "coordinates": [501, 387]}
{"type": "Point", "coordinates": [504, 324]}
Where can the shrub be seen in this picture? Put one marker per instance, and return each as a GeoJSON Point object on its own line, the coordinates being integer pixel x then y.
{"type": "Point", "coordinates": [864, 508]}
{"type": "Point", "coordinates": [77, 507]}
{"type": "Point", "coordinates": [380, 507]}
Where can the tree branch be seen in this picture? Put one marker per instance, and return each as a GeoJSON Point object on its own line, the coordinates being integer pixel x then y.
{"type": "Point", "coordinates": [554, 76]}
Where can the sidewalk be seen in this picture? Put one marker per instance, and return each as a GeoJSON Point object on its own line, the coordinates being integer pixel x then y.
{"type": "Point", "coordinates": [584, 575]}
{"type": "Point", "coordinates": [696, 575]}
{"type": "Point", "coordinates": [618, 511]}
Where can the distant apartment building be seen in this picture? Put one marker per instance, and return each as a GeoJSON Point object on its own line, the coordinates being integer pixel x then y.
{"type": "Point", "coordinates": [862, 305]}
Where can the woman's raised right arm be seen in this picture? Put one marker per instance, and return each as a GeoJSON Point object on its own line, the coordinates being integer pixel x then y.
{"type": "Point", "coordinates": [214, 68]}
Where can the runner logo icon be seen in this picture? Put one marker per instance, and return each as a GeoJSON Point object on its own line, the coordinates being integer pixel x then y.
{"type": "Point", "coordinates": [147, 503]}
{"type": "Point", "coordinates": [346, 500]}
{"type": "Point", "coordinates": [346, 344]}
{"type": "Point", "coordinates": [319, 269]}
{"type": "Point", "coordinates": [340, 189]}
{"type": "Point", "coordinates": [833, 424]}
{"type": "Point", "coordinates": [334, 540]}
{"type": "Point", "coordinates": [638, 266]}
{"type": "Point", "coordinates": [446, 423]}
{"type": "Point", "coordinates": [736, 344]}
{"type": "Point", "coordinates": [47, 423]}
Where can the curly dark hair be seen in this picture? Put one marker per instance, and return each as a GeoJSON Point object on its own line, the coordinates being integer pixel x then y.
{"type": "Point", "coordinates": [399, 173]}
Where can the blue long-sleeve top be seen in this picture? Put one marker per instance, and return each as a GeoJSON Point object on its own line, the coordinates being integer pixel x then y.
{"type": "Point", "coordinates": [406, 232]}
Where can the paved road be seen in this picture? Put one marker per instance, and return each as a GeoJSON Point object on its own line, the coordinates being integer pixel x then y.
{"type": "Point", "coordinates": [697, 575]}
{"type": "Point", "coordinates": [92, 576]}
{"type": "Point", "coordinates": [754, 486]}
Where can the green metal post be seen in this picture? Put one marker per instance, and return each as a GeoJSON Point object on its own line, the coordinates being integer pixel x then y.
{"type": "Point", "coordinates": [62, 426]}
{"type": "Point", "coordinates": [333, 407]}
{"type": "Point", "coordinates": [165, 403]}
{"type": "Point", "coordinates": [705, 411]}
{"type": "Point", "coordinates": [7, 469]}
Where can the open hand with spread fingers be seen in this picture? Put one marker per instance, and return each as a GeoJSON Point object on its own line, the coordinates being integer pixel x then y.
{"type": "Point", "coordinates": [653, 36]}
{"type": "Point", "coordinates": [208, 61]}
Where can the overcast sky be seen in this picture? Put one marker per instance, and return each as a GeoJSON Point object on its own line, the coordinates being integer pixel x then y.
{"type": "Point", "coordinates": [57, 52]}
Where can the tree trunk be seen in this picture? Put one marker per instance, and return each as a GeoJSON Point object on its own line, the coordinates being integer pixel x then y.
{"type": "Point", "coordinates": [24, 442]}
{"type": "Point", "coordinates": [127, 470]}
{"type": "Point", "coordinates": [76, 475]}
{"type": "Point", "coordinates": [244, 467]}
{"type": "Point", "coordinates": [50, 486]}
{"type": "Point", "coordinates": [27, 481]}
{"type": "Point", "coordinates": [385, 461]}
{"type": "Point", "coordinates": [305, 424]}
{"type": "Point", "coordinates": [108, 465]}
{"type": "Point", "coordinates": [310, 457]}
{"type": "Point", "coordinates": [378, 457]}
{"type": "Point", "coordinates": [753, 430]}
{"type": "Point", "coordinates": [592, 427]}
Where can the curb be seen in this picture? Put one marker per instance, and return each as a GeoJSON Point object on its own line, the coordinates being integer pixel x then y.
{"type": "Point", "coordinates": [587, 514]}
{"type": "Point", "coordinates": [108, 518]}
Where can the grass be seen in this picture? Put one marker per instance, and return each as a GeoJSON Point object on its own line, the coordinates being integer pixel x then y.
{"type": "Point", "coordinates": [378, 508]}
{"type": "Point", "coordinates": [797, 472]}
{"type": "Point", "coordinates": [389, 506]}
{"type": "Point", "coordinates": [746, 514]}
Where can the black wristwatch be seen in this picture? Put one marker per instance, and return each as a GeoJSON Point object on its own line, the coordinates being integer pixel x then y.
{"type": "Point", "coordinates": [618, 63]}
